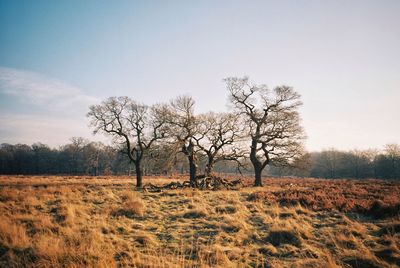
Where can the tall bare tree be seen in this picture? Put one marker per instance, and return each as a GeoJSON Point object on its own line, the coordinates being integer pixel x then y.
{"type": "Point", "coordinates": [183, 126]}
{"type": "Point", "coordinates": [218, 137]}
{"type": "Point", "coordinates": [272, 120]}
{"type": "Point", "coordinates": [136, 126]}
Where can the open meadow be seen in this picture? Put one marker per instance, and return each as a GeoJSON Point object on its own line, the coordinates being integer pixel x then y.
{"type": "Point", "coordinates": [102, 222]}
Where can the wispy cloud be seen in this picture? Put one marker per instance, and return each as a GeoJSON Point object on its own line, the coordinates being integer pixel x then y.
{"type": "Point", "coordinates": [50, 130]}
{"type": "Point", "coordinates": [64, 108]}
{"type": "Point", "coordinates": [40, 90]}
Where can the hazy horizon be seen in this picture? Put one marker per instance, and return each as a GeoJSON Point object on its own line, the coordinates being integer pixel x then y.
{"type": "Point", "coordinates": [57, 58]}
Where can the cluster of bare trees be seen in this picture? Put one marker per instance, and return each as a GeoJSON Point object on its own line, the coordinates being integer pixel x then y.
{"type": "Point", "coordinates": [263, 126]}
{"type": "Point", "coordinates": [261, 131]}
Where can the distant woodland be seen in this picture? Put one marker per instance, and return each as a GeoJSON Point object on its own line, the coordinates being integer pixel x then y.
{"type": "Point", "coordinates": [82, 157]}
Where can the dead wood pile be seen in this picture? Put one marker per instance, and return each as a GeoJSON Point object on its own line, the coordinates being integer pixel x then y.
{"type": "Point", "coordinates": [201, 182]}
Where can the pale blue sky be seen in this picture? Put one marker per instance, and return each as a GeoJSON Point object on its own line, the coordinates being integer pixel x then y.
{"type": "Point", "coordinates": [57, 57]}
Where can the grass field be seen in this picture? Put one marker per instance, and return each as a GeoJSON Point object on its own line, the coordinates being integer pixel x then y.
{"type": "Point", "coordinates": [102, 222]}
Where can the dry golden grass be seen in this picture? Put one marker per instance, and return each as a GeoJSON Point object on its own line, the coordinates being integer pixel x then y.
{"type": "Point", "coordinates": [102, 222]}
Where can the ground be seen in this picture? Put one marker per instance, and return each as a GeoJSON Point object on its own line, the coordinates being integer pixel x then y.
{"type": "Point", "coordinates": [104, 222]}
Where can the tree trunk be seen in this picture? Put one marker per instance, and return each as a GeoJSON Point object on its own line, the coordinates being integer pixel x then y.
{"type": "Point", "coordinates": [209, 166]}
{"type": "Point", "coordinates": [138, 175]}
{"type": "Point", "coordinates": [257, 176]}
{"type": "Point", "coordinates": [191, 155]}
{"type": "Point", "coordinates": [256, 163]}
{"type": "Point", "coordinates": [192, 170]}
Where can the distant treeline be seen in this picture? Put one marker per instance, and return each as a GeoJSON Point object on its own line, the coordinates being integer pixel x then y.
{"type": "Point", "coordinates": [82, 157]}
{"type": "Point", "coordinates": [76, 158]}
{"type": "Point", "coordinates": [358, 164]}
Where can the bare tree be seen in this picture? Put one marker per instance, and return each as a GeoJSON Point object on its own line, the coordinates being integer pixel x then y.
{"type": "Point", "coordinates": [74, 151]}
{"type": "Point", "coordinates": [136, 126]}
{"type": "Point", "coordinates": [183, 126]}
{"type": "Point", "coordinates": [218, 138]}
{"type": "Point", "coordinates": [300, 167]}
{"type": "Point", "coordinates": [272, 121]}
{"type": "Point", "coordinates": [393, 154]}
{"type": "Point", "coordinates": [328, 163]}
{"type": "Point", "coordinates": [371, 155]}
{"type": "Point", "coordinates": [360, 163]}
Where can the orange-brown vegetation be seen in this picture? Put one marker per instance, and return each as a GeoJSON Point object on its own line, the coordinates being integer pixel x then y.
{"type": "Point", "coordinates": [369, 197]}
{"type": "Point", "coordinates": [102, 222]}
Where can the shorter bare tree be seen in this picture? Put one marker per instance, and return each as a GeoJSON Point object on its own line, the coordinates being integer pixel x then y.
{"type": "Point", "coordinates": [182, 127]}
{"type": "Point", "coordinates": [218, 137]}
{"type": "Point", "coordinates": [133, 125]}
